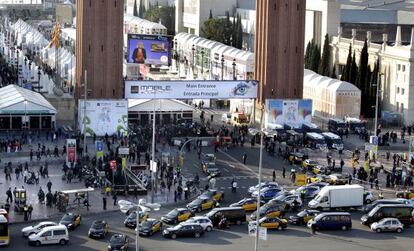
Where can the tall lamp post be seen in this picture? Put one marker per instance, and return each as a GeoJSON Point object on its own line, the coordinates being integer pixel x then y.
{"type": "Point", "coordinates": [234, 69]}
{"type": "Point", "coordinates": [202, 60]}
{"type": "Point", "coordinates": [125, 206]}
{"type": "Point", "coordinates": [222, 67]}
{"type": "Point", "coordinates": [39, 73]}
{"type": "Point", "coordinates": [256, 244]}
{"type": "Point", "coordinates": [193, 50]}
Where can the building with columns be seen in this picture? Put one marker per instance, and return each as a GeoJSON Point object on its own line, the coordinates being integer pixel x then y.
{"type": "Point", "coordinates": [396, 68]}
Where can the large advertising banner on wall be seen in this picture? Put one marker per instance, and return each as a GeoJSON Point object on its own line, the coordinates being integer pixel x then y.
{"type": "Point", "coordinates": [238, 89]}
{"type": "Point", "coordinates": [290, 112]}
{"type": "Point", "coordinates": [103, 117]}
{"type": "Point", "coordinates": [149, 49]}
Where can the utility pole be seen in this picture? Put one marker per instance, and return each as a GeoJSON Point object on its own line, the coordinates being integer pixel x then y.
{"type": "Point", "coordinates": [84, 112]}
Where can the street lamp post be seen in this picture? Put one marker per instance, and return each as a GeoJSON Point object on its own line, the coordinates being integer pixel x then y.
{"type": "Point", "coordinates": [152, 165]}
{"type": "Point", "coordinates": [193, 50]}
{"type": "Point", "coordinates": [39, 73]}
{"type": "Point", "coordinates": [222, 67]}
{"type": "Point", "coordinates": [256, 245]}
{"type": "Point", "coordinates": [202, 61]}
{"type": "Point", "coordinates": [234, 69]}
{"type": "Point", "coordinates": [142, 206]}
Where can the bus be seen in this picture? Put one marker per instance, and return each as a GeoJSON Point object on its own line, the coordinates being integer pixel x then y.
{"type": "Point", "coordinates": [333, 141]}
{"type": "Point", "coordinates": [310, 127]}
{"type": "Point", "coordinates": [4, 231]}
{"type": "Point", "coordinates": [337, 126]}
{"type": "Point", "coordinates": [355, 125]}
{"type": "Point", "coordinates": [315, 140]}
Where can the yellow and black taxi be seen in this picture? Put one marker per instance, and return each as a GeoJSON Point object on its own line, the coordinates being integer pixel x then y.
{"type": "Point", "coordinates": [407, 194]}
{"type": "Point", "coordinates": [202, 203]}
{"type": "Point", "coordinates": [209, 157]}
{"type": "Point", "coordinates": [98, 229]}
{"type": "Point", "coordinates": [213, 193]}
{"type": "Point", "coordinates": [71, 220]}
{"type": "Point", "coordinates": [309, 164]}
{"type": "Point", "coordinates": [150, 226]}
{"type": "Point", "coordinates": [177, 215]}
{"type": "Point", "coordinates": [270, 210]}
{"type": "Point", "coordinates": [131, 220]}
{"type": "Point", "coordinates": [272, 223]}
{"type": "Point", "coordinates": [118, 242]}
{"type": "Point", "coordinates": [318, 178]}
{"type": "Point", "coordinates": [297, 157]}
{"type": "Point", "coordinates": [338, 179]}
{"type": "Point", "coordinates": [248, 204]}
{"type": "Point", "coordinates": [303, 217]}
{"type": "Point", "coordinates": [210, 169]}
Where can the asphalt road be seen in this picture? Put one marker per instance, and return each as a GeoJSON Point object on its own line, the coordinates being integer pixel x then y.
{"type": "Point", "coordinates": [235, 238]}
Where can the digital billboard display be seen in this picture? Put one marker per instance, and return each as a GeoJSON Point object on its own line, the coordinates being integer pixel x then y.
{"type": "Point", "coordinates": [149, 49]}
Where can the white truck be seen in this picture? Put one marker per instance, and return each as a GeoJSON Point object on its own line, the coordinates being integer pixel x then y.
{"type": "Point", "coordinates": [345, 196]}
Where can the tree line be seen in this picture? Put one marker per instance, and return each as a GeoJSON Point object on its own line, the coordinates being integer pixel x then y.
{"type": "Point", "coordinates": [224, 30]}
{"type": "Point", "coordinates": [361, 75]}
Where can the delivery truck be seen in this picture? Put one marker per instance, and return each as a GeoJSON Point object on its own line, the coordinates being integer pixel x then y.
{"type": "Point", "coordinates": [345, 196]}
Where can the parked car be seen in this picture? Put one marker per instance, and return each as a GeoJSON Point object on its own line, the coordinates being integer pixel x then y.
{"type": "Point", "coordinates": [268, 193]}
{"type": "Point", "coordinates": [118, 242]}
{"type": "Point", "coordinates": [213, 193]}
{"type": "Point", "coordinates": [407, 194]}
{"type": "Point", "coordinates": [204, 221]}
{"type": "Point", "coordinates": [303, 217]}
{"type": "Point", "coordinates": [271, 223]}
{"type": "Point", "coordinates": [234, 215]}
{"type": "Point", "coordinates": [150, 226]}
{"type": "Point", "coordinates": [288, 199]}
{"type": "Point", "coordinates": [308, 192]}
{"type": "Point", "coordinates": [248, 204]}
{"type": "Point", "coordinates": [98, 229]}
{"type": "Point", "coordinates": [177, 215]}
{"type": "Point", "coordinates": [131, 220]}
{"type": "Point", "coordinates": [309, 164]}
{"type": "Point", "coordinates": [50, 235]}
{"type": "Point", "coordinates": [404, 213]}
{"type": "Point", "coordinates": [265, 184]}
{"type": "Point", "coordinates": [210, 169]}
{"type": "Point", "coordinates": [297, 157]}
{"type": "Point", "coordinates": [387, 225]}
{"type": "Point", "coordinates": [184, 230]}
{"type": "Point", "coordinates": [71, 220]}
{"type": "Point", "coordinates": [331, 221]}
{"type": "Point", "coordinates": [338, 179]}
{"type": "Point", "coordinates": [201, 203]}
{"type": "Point", "coordinates": [270, 210]}
{"type": "Point", "coordinates": [373, 204]}
{"type": "Point", "coordinates": [37, 228]}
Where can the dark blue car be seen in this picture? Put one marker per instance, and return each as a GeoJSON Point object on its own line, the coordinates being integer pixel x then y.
{"type": "Point", "coordinates": [331, 221]}
{"type": "Point", "coordinates": [269, 193]}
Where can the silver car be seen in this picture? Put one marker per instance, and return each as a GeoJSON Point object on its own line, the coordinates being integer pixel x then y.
{"type": "Point", "coordinates": [387, 225]}
{"type": "Point", "coordinates": [37, 228]}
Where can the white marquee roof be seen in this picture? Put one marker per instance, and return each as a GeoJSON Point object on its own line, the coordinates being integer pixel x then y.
{"type": "Point", "coordinates": [319, 82]}
{"type": "Point", "coordinates": [13, 97]}
{"type": "Point", "coordinates": [165, 105]}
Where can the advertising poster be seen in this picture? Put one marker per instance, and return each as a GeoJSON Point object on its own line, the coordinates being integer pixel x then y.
{"type": "Point", "coordinates": [290, 112]}
{"type": "Point", "coordinates": [99, 146]}
{"type": "Point", "coordinates": [70, 150]}
{"type": "Point", "coordinates": [103, 117]}
{"type": "Point", "coordinates": [149, 49]}
{"type": "Point", "coordinates": [237, 89]}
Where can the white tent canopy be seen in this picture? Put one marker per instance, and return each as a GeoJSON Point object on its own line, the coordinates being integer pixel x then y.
{"type": "Point", "coordinates": [164, 105]}
{"type": "Point", "coordinates": [17, 100]}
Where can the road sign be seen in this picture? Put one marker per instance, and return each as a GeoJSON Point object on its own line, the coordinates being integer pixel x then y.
{"type": "Point", "coordinates": [262, 231]}
{"type": "Point", "coordinates": [153, 166]}
{"type": "Point", "coordinates": [373, 140]}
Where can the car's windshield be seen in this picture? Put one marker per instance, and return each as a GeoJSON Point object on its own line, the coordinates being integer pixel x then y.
{"type": "Point", "coordinates": [146, 224]}
{"type": "Point", "coordinates": [67, 217]}
{"type": "Point", "coordinates": [302, 213]}
{"type": "Point", "coordinates": [196, 202]}
{"type": "Point", "coordinates": [98, 225]}
{"type": "Point", "coordinates": [373, 211]}
{"type": "Point", "coordinates": [116, 240]}
{"type": "Point", "coordinates": [173, 213]}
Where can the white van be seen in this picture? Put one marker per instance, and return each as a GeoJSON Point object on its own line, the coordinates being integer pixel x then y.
{"type": "Point", "coordinates": [50, 235]}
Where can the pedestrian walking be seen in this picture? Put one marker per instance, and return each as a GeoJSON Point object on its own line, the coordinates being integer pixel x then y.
{"type": "Point", "coordinates": [104, 202]}
{"type": "Point", "coordinates": [29, 212]}
{"type": "Point", "coordinates": [135, 193]}
{"type": "Point", "coordinates": [284, 172]}
{"type": "Point", "coordinates": [274, 175]}
{"type": "Point", "coordinates": [115, 198]}
{"type": "Point", "coordinates": [26, 212]}
{"type": "Point", "coordinates": [244, 158]}
{"type": "Point", "coordinates": [49, 186]}
{"type": "Point", "coordinates": [9, 196]}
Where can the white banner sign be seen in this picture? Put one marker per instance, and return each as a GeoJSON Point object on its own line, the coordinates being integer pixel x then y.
{"type": "Point", "coordinates": [123, 151]}
{"type": "Point", "coordinates": [238, 89]}
{"type": "Point", "coordinates": [103, 117]}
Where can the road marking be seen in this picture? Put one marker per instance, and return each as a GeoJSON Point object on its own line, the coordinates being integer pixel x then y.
{"type": "Point", "coordinates": [241, 164]}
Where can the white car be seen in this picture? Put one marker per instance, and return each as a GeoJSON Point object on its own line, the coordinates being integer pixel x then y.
{"type": "Point", "coordinates": [204, 222]}
{"type": "Point", "coordinates": [37, 228]}
{"type": "Point", "coordinates": [50, 235]}
{"type": "Point", "coordinates": [387, 225]}
{"type": "Point", "coordinates": [253, 189]}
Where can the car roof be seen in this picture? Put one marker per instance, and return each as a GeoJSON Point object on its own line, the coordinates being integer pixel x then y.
{"type": "Point", "coordinates": [46, 222]}
{"type": "Point", "coordinates": [335, 213]}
